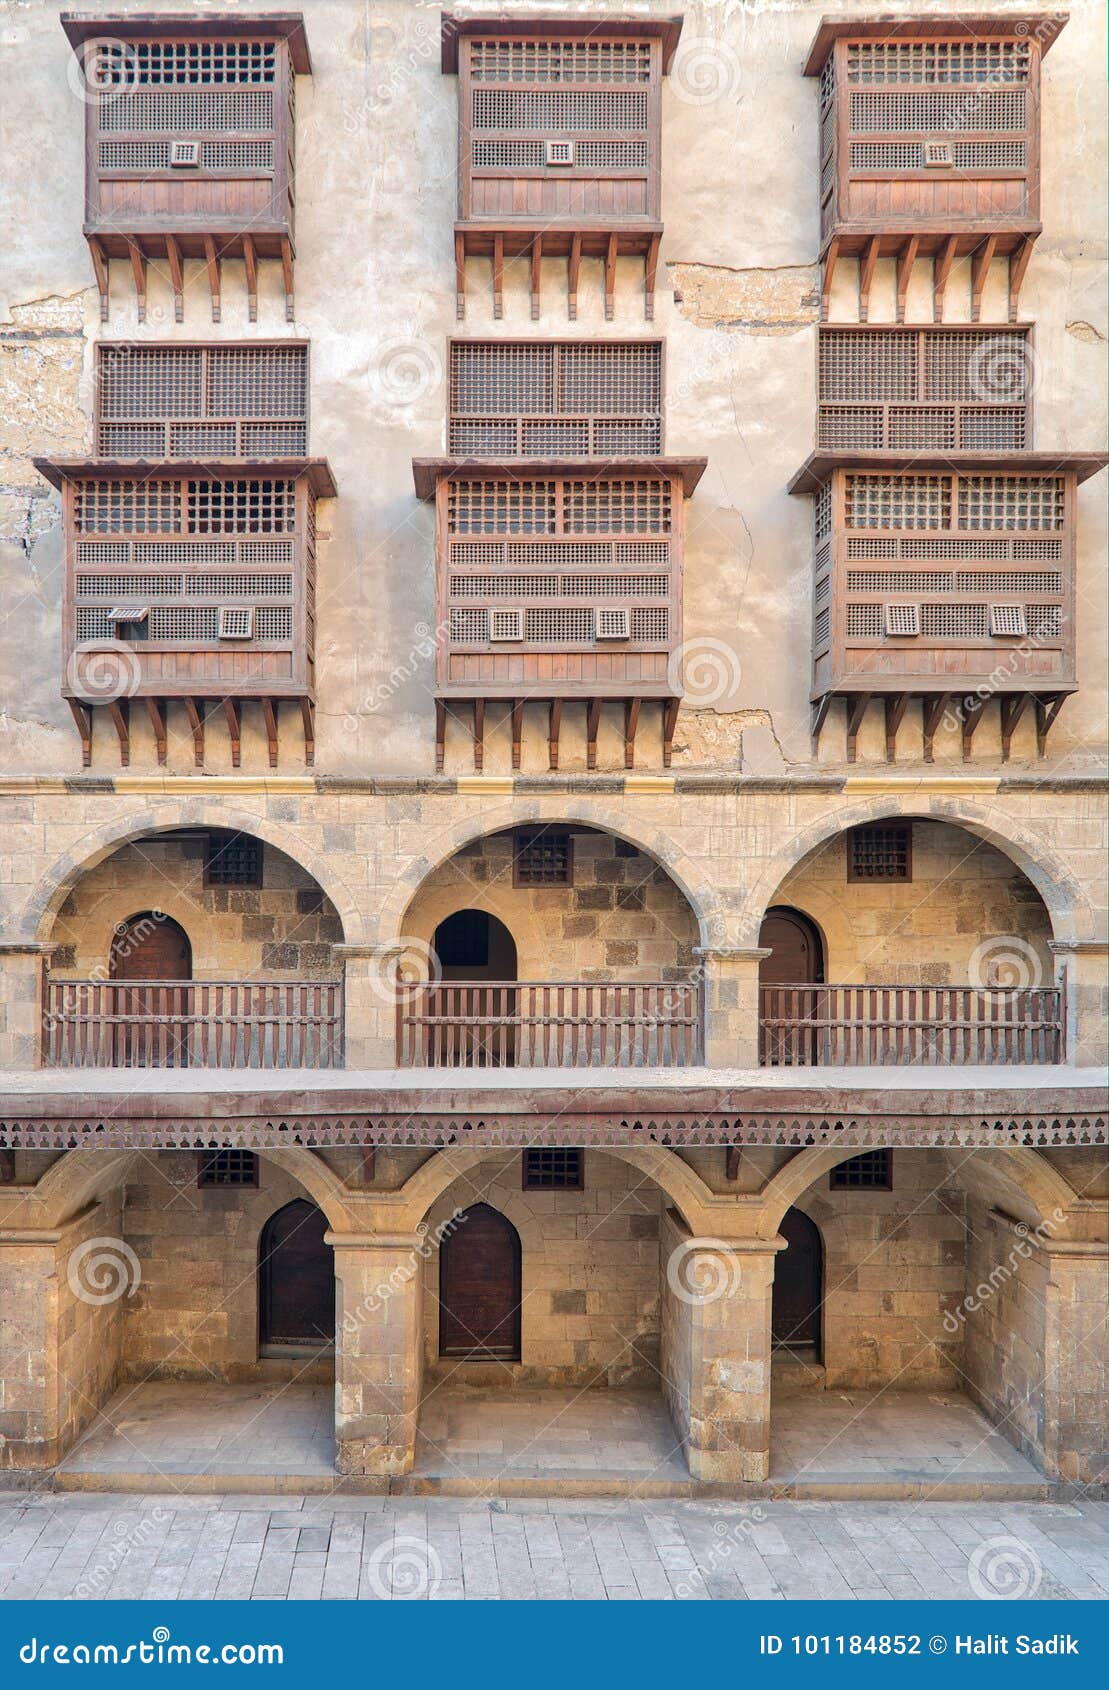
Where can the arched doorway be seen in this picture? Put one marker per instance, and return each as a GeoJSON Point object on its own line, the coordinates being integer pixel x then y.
{"type": "Point", "coordinates": [474, 1027]}
{"type": "Point", "coordinates": [150, 946]}
{"type": "Point", "coordinates": [479, 1287]}
{"type": "Point", "coordinates": [296, 1281]}
{"type": "Point", "coordinates": [798, 1294]}
{"type": "Point", "coordinates": [786, 978]}
{"type": "Point", "coordinates": [149, 1021]}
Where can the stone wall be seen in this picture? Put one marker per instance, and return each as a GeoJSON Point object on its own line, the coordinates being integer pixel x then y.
{"type": "Point", "coordinates": [287, 927]}
{"type": "Point", "coordinates": [90, 1332]}
{"type": "Point", "coordinates": [622, 918]}
{"type": "Point", "coordinates": [589, 1260]}
{"type": "Point", "coordinates": [1003, 1318]}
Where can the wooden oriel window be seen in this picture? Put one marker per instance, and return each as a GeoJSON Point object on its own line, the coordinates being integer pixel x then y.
{"type": "Point", "coordinates": [882, 851]}
{"type": "Point", "coordinates": [556, 1169]}
{"type": "Point", "coordinates": [871, 1170]}
{"type": "Point", "coordinates": [171, 401]}
{"type": "Point", "coordinates": [543, 857]}
{"type": "Point", "coordinates": [227, 1168]}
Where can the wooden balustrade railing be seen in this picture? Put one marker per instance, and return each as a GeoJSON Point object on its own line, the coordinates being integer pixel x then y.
{"type": "Point", "coordinates": [193, 1024]}
{"type": "Point", "coordinates": [902, 1026]}
{"type": "Point", "coordinates": [549, 1024]}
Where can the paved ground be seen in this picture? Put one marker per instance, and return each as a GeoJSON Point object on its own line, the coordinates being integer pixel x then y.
{"type": "Point", "coordinates": [160, 1435]}
{"type": "Point", "coordinates": [94, 1546]}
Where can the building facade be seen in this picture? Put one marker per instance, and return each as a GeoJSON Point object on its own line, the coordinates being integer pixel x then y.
{"type": "Point", "coordinates": [553, 754]}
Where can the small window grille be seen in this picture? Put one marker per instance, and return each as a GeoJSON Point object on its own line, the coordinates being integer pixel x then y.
{"type": "Point", "coordinates": [902, 621]}
{"type": "Point", "coordinates": [613, 624]}
{"type": "Point", "coordinates": [871, 1171]}
{"type": "Point", "coordinates": [184, 154]}
{"type": "Point", "coordinates": [554, 1170]}
{"type": "Point", "coordinates": [506, 624]}
{"type": "Point", "coordinates": [227, 1167]}
{"type": "Point", "coordinates": [236, 623]}
{"type": "Point", "coordinates": [881, 852]}
{"type": "Point", "coordinates": [233, 859]}
{"type": "Point", "coordinates": [560, 152]}
{"type": "Point", "coordinates": [1007, 619]}
{"type": "Point", "coordinates": [544, 857]}
{"type": "Point", "coordinates": [937, 155]}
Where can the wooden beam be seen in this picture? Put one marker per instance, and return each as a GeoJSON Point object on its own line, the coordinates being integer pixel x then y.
{"type": "Point", "coordinates": [554, 729]}
{"type": "Point", "coordinates": [440, 734]}
{"type": "Point", "coordinates": [536, 276]}
{"type": "Point", "coordinates": [610, 279]}
{"type": "Point", "coordinates": [498, 276]}
{"type": "Point", "coordinates": [270, 717]}
{"type": "Point", "coordinates": [215, 276]}
{"type": "Point", "coordinates": [979, 269]}
{"type": "Point", "coordinates": [196, 723]}
{"type": "Point", "coordinates": [856, 710]}
{"type": "Point", "coordinates": [308, 719]}
{"type": "Point", "coordinates": [287, 274]}
{"type": "Point", "coordinates": [82, 717]}
{"type": "Point", "coordinates": [119, 709]}
{"type": "Point", "coordinates": [479, 734]}
{"type": "Point", "coordinates": [250, 259]}
{"type": "Point", "coordinates": [906, 258]}
{"type": "Point", "coordinates": [933, 708]}
{"type": "Point", "coordinates": [7, 1167]}
{"type": "Point", "coordinates": [631, 723]}
{"type": "Point", "coordinates": [941, 271]}
{"type": "Point", "coordinates": [732, 1157]}
{"type": "Point", "coordinates": [101, 269]}
{"type": "Point", "coordinates": [669, 723]}
{"type": "Point", "coordinates": [971, 711]}
{"type": "Point", "coordinates": [369, 1169]}
{"type": "Point", "coordinates": [177, 278]}
{"type": "Point", "coordinates": [1047, 709]}
{"type": "Point", "coordinates": [651, 273]}
{"type": "Point", "coordinates": [817, 719]}
{"type": "Point", "coordinates": [156, 710]}
{"type": "Point", "coordinates": [573, 272]}
{"type": "Point", "coordinates": [830, 259]}
{"type": "Point", "coordinates": [459, 275]}
{"type": "Point", "coordinates": [867, 264]}
{"type": "Point", "coordinates": [592, 724]}
{"type": "Point", "coordinates": [1018, 265]}
{"type": "Point", "coordinates": [1013, 706]}
{"type": "Point", "coordinates": [138, 271]}
{"type": "Point", "coordinates": [517, 730]}
{"type": "Point", "coordinates": [234, 728]}
{"type": "Point", "coordinates": [895, 704]}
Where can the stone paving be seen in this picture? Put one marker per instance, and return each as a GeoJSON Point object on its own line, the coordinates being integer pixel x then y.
{"type": "Point", "coordinates": [98, 1546]}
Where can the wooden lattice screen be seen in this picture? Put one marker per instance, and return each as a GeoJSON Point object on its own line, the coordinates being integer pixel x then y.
{"type": "Point", "coordinates": [179, 401]}
{"type": "Point", "coordinates": [555, 399]}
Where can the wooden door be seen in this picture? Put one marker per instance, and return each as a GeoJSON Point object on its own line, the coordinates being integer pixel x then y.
{"type": "Point", "coordinates": [796, 953]}
{"type": "Point", "coordinates": [150, 946]}
{"type": "Point", "coordinates": [296, 1278]}
{"type": "Point", "coordinates": [798, 1284]}
{"type": "Point", "coordinates": [479, 1287]}
{"type": "Point", "coordinates": [788, 1036]}
{"type": "Point", "coordinates": [154, 1031]}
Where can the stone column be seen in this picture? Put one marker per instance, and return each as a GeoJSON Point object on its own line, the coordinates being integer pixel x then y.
{"type": "Point", "coordinates": [731, 983]}
{"type": "Point", "coordinates": [378, 1350]}
{"type": "Point", "coordinates": [370, 1012]}
{"type": "Point", "coordinates": [1076, 1363]}
{"type": "Point", "coordinates": [716, 1350]}
{"type": "Point", "coordinates": [21, 992]}
{"type": "Point", "coordinates": [1083, 964]}
{"type": "Point", "coordinates": [29, 1429]}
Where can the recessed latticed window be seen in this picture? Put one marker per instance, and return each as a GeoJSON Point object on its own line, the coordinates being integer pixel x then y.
{"type": "Point", "coordinates": [526, 399]}
{"type": "Point", "coordinates": [160, 64]}
{"type": "Point", "coordinates": [227, 1167]}
{"type": "Point", "coordinates": [233, 859]}
{"type": "Point", "coordinates": [180, 402]}
{"type": "Point", "coordinates": [554, 1170]}
{"type": "Point", "coordinates": [880, 852]}
{"type": "Point", "coordinates": [560, 61]}
{"type": "Point", "coordinates": [962, 61]}
{"type": "Point", "coordinates": [872, 1170]}
{"type": "Point", "coordinates": [543, 858]}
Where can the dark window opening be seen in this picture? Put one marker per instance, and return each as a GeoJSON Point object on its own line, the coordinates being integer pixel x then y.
{"type": "Point", "coordinates": [227, 1167]}
{"type": "Point", "coordinates": [554, 1170]}
{"type": "Point", "coordinates": [884, 852]}
{"type": "Point", "coordinates": [462, 940]}
{"type": "Point", "coordinates": [233, 859]}
{"type": "Point", "coordinates": [545, 858]}
{"type": "Point", "coordinates": [872, 1171]}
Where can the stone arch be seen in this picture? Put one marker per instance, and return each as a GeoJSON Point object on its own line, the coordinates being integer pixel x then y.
{"type": "Point", "coordinates": [44, 903]}
{"type": "Point", "coordinates": [687, 874]}
{"type": "Point", "coordinates": [1024, 1178]}
{"type": "Point", "coordinates": [1066, 903]}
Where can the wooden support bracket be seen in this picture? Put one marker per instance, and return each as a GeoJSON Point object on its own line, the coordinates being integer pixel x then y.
{"type": "Point", "coordinates": [119, 709]}
{"type": "Point", "coordinates": [1013, 706]}
{"type": "Point", "coordinates": [979, 270]}
{"type": "Point", "coordinates": [250, 260]}
{"type": "Point", "coordinates": [156, 710]}
{"type": "Point", "coordinates": [867, 264]}
{"type": "Point", "coordinates": [573, 273]}
{"type": "Point", "coordinates": [517, 730]}
{"type": "Point", "coordinates": [610, 279]}
{"type": "Point", "coordinates": [368, 1164]}
{"type": "Point", "coordinates": [732, 1157]}
{"type": "Point", "coordinates": [650, 277]}
{"type": "Point", "coordinates": [592, 724]}
{"type": "Point", "coordinates": [1047, 709]}
{"type": "Point", "coordinates": [270, 718]}
{"type": "Point", "coordinates": [498, 276]}
{"type": "Point", "coordinates": [536, 276]}
{"type": "Point", "coordinates": [895, 705]}
{"type": "Point", "coordinates": [906, 258]}
{"type": "Point", "coordinates": [933, 708]}
{"type": "Point", "coordinates": [971, 710]}
{"type": "Point", "coordinates": [196, 724]}
{"type": "Point", "coordinates": [215, 277]}
{"type": "Point", "coordinates": [941, 271]}
{"type": "Point", "coordinates": [287, 274]}
{"type": "Point", "coordinates": [830, 260]}
{"type": "Point", "coordinates": [234, 728]}
{"type": "Point", "coordinates": [479, 734]}
{"type": "Point", "coordinates": [308, 719]}
{"type": "Point", "coordinates": [669, 723]}
{"type": "Point", "coordinates": [856, 710]}
{"type": "Point", "coordinates": [440, 734]}
{"type": "Point", "coordinates": [1018, 265]}
{"type": "Point", "coordinates": [102, 271]}
{"type": "Point", "coordinates": [82, 717]}
{"type": "Point", "coordinates": [460, 275]}
{"type": "Point", "coordinates": [631, 723]}
{"type": "Point", "coordinates": [554, 729]}
{"type": "Point", "coordinates": [818, 717]}
{"type": "Point", "coordinates": [177, 277]}
{"type": "Point", "coordinates": [138, 271]}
